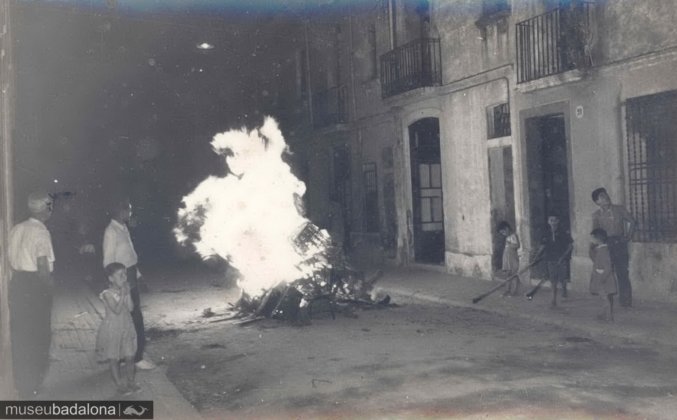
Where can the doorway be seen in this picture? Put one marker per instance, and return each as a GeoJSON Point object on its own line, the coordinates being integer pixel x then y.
{"type": "Point", "coordinates": [426, 188]}
{"type": "Point", "coordinates": [548, 176]}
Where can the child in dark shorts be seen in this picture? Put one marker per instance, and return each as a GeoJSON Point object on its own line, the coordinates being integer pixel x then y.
{"type": "Point", "coordinates": [555, 249]}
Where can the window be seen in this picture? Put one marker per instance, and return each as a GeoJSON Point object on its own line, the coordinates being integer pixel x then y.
{"type": "Point", "coordinates": [370, 189]}
{"type": "Point", "coordinates": [652, 173]}
{"type": "Point", "coordinates": [493, 11]}
{"type": "Point", "coordinates": [373, 52]}
{"type": "Point", "coordinates": [498, 121]}
{"type": "Point", "coordinates": [430, 183]}
{"type": "Point", "coordinates": [491, 7]}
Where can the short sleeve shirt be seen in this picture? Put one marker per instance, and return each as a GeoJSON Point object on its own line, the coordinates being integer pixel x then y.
{"type": "Point", "coordinates": [117, 245]}
{"type": "Point", "coordinates": [28, 241]}
{"type": "Point", "coordinates": [613, 220]}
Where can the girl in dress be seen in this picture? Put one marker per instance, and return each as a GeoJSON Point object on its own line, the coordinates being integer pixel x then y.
{"type": "Point", "coordinates": [602, 279]}
{"type": "Point", "coordinates": [116, 338]}
{"type": "Point", "coordinates": [510, 265]}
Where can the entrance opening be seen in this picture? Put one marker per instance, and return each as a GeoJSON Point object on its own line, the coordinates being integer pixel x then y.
{"type": "Point", "coordinates": [548, 176]}
{"type": "Point", "coordinates": [426, 187]}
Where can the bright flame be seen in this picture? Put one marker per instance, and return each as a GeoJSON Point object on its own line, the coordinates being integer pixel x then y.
{"type": "Point", "coordinates": [252, 216]}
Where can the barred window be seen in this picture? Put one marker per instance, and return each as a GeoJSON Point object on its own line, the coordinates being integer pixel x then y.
{"type": "Point", "coordinates": [498, 121]}
{"type": "Point", "coordinates": [652, 172]}
{"type": "Point", "coordinates": [370, 188]}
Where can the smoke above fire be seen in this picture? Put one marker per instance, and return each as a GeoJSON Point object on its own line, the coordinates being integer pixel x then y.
{"type": "Point", "coordinates": [253, 216]}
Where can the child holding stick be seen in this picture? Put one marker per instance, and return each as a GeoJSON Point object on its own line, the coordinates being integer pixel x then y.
{"type": "Point", "coordinates": [555, 250]}
{"type": "Point", "coordinates": [602, 279]}
{"type": "Point", "coordinates": [116, 338]}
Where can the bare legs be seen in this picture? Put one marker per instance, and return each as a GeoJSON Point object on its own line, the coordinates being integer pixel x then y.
{"type": "Point", "coordinates": [123, 375]}
{"type": "Point", "coordinates": [512, 287]}
{"type": "Point", "coordinates": [606, 312]}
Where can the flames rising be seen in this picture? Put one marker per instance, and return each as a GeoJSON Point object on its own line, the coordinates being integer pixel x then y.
{"type": "Point", "coordinates": [253, 217]}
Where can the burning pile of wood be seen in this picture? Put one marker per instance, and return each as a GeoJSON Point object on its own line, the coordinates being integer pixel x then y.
{"type": "Point", "coordinates": [329, 278]}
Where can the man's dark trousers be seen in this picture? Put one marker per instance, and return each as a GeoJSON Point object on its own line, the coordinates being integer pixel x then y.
{"type": "Point", "coordinates": [618, 248]}
{"type": "Point", "coordinates": [30, 307]}
{"type": "Point", "coordinates": [137, 316]}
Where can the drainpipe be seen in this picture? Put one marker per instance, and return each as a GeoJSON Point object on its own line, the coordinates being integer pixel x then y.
{"type": "Point", "coordinates": [353, 114]}
{"type": "Point", "coordinates": [309, 85]}
{"type": "Point", "coordinates": [391, 23]}
{"type": "Point", "coordinates": [352, 65]}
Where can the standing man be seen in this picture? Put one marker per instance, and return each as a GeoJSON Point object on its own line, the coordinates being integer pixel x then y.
{"type": "Point", "coordinates": [30, 295]}
{"type": "Point", "coordinates": [619, 225]}
{"type": "Point", "coordinates": [118, 247]}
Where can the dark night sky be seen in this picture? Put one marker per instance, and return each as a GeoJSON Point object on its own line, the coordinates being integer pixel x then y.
{"type": "Point", "coordinates": [120, 101]}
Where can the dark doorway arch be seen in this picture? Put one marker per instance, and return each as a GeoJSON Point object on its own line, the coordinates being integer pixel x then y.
{"type": "Point", "coordinates": [426, 188]}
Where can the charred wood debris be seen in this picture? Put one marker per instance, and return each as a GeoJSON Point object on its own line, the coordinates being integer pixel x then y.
{"type": "Point", "coordinates": [332, 285]}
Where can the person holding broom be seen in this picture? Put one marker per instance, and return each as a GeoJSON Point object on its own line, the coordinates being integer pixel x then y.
{"type": "Point", "coordinates": [555, 249]}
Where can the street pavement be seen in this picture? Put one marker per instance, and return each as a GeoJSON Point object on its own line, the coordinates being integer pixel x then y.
{"type": "Point", "coordinates": [75, 374]}
{"type": "Point", "coordinates": [646, 322]}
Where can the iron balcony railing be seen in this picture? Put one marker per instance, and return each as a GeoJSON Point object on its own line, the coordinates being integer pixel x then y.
{"type": "Point", "coordinates": [411, 66]}
{"type": "Point", "coordinates": [554, 42]}
{"type": "Point", "coordinates": [330, 106]}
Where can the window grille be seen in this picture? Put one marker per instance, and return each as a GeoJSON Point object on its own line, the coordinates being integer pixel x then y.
{"type": "Point", "coordinates": [498, 121]}
{"type": "Point", "coordinates": [652, 172]}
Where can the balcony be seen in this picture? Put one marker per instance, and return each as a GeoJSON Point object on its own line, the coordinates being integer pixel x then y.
{"type": "Point", "coordinates": [330, 107]}
{"type": "Point", "coordinates": [554, 42]}
{"type": "Point", "coordinates": [411, 66]}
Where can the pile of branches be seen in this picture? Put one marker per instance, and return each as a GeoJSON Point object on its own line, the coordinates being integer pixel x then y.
{"type": "Point", "coordinates": [332, 284]}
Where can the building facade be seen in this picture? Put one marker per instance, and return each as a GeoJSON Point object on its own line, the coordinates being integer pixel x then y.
{"type": "Point", "coordinates": [432, 121]}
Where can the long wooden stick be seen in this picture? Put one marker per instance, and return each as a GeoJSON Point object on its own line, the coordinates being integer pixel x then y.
{"type": "Point", "coordinates": [533, 291]}
{"type": "Point", "coordinates": [504, 282]}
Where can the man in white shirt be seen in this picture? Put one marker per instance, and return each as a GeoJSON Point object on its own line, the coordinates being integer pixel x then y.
{"type": "Point", "coordinates": [30, 295]}
{"type": "Point", "coordinates": [118, 247]}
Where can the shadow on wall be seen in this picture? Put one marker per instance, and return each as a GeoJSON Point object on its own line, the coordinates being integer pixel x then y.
{"type": "Point", "coordinates": [656, 276]}
{"type": "Point", "coordinates": [366, 251]}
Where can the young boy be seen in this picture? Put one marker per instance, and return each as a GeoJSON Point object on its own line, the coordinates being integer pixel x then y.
{"type": "Point", "coordinates": [602, 279]}
{"type": "Point", "coordinates": [556, 247]}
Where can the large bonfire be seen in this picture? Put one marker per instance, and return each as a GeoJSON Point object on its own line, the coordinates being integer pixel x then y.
{"type": "Point", "coordinates": [253, 218]}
